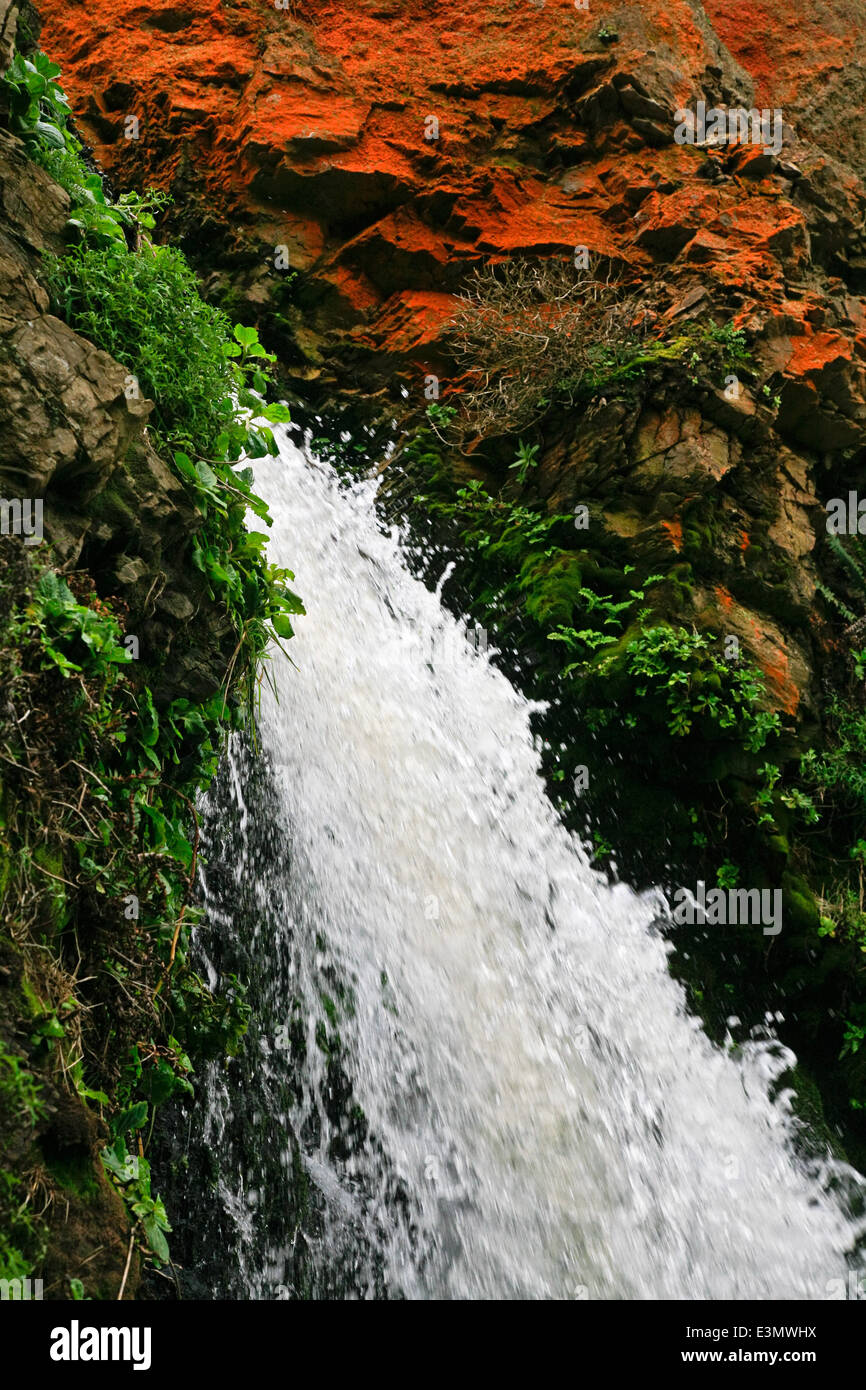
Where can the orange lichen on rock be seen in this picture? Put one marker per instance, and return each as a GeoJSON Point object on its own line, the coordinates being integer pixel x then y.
{"type": "Point", "coordinates": [399, 143]}
{"type": "Point", "coordinates": [782, 688]}
{"type": "Point", "coordinates": [391, 147]}
{"type": "Point", "coordinates": [396, 143]}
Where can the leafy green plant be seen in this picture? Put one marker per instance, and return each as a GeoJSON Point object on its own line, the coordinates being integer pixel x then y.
{"type": "Point", "coordinates": [698, 838]}
{"type": "Point", "coordinates": [703, 349]}
{"type": "Point", "coordinates": [764, 798]}
{"type": "Point", "coordinates": [105, 855]}
{"type": "Point", "coordinates": [22, 1239]}
{"type": "Point", "coordinates": [852, 568]}
{"type": "Point", "coordinates": [499, 526]}
{"type": "Point", "coordinates": [731, 339]}
{"type": "Point", "coordinates": [834, 601]}
{"type": "Point", "coordinates": [794, 798]}
{"type": "Point", "coordinates": [21, 1108]}
{"type": "Point", "coordinates": [205, 377]}
{"type": "Point", "coordinates": [440, 415]}
{"type": "Point", "coordinates": [850, 561]}
{"type": "Point", "coordinates": [38, 107]}
{"type": "Point", "coordinates": [797, 800]}
{"type": "Point", "coordinates": [94, 219]}
{"type": "Point", "coordinates": [146, 311]}
{"type": "Point", "coordinates": [527, 457]}
{"type": "Point", "coordinates": [19, 1091]}
{"type": "Point", "coordinates": [601, 608]}
{"type": "Point", "coordinates": [838, 773]}
{"type": "Point", "coordinates": [69, 629]}
{"type": "Point", "coordinates": [119, 753]}
{"type": "Point", "coordinates": [727, 875]}
{"type": "Point", "coordinates": [696, 683]}
{"type": "Point", "coordinates": [130, 1174]}
{"type": "Point", "coordinates": [39, 113]}
{"type": "Point", "coordinates": [855, 1034]}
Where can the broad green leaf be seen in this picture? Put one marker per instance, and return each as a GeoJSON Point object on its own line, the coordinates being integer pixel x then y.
{"type": "Point", "coordinates": [206, 475]}
{"type": "Point", "coordinates": [245, 336]}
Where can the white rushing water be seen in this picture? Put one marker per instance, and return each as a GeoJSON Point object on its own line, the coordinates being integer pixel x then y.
{"type": "Point", "coordinates": [563, 1129]}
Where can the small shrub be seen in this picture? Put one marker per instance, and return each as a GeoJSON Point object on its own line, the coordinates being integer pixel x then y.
{"type": "Point", "coordinates": [523, 326]}
{"type": "Point", "coordinates": [38, 108]}
{"type": "Point", "coordinates": [533, 334]}
{"type": "Point", "coordinates": [145, 309]}
{"type": "Point", "coordinates": [679, 671]}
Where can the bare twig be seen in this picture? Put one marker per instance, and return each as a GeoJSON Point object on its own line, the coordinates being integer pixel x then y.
{"type": "Point", "coordinates": [128, 1262]}
{"type": "Point", "coordinates": [527, 329]}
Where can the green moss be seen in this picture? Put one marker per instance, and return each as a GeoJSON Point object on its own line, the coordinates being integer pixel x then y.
{"type": "Point", "coordinates": [552, 585]}
{"type": "Point", "coordinates": [778, 848]}
{"type": "Point", "coordinates": [34, 1005]}
{"type": "Point", "coordinates": [808, 1107]}
{"type": "Point", "coordinates": [50, 860]}
{"type": "Point", "coordinates": [22, 1237]}
{"type": "Point", "coordinates": [75, 1173]}
{"type": "Point", "coordinates": [798, 904]}
{"type": "Point", "coordinates": [702, 349]}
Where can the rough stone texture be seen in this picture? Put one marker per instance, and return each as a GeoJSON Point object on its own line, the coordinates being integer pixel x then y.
{"type": "Point", "coordinates": [8, 27]}
{"type": "Point", "coordinates": [69, 435]}
{"type": "Point", "coordinates": [306, 128]}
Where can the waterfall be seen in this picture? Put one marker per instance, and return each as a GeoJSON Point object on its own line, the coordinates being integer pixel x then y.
{"type": "Point", "coordinates": [469, 1072]}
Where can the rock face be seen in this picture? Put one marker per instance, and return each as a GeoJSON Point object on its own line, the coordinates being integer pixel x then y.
{"type": "Point", "coordinates": [308, 127]}
{"type": "Point", "coordinates": [70, 436]}
{"type": "Point", "coordinates": [382, 149]}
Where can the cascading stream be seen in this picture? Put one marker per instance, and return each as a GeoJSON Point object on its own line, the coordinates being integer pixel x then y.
{"type": "Point", "coordinates": [543, 1118]}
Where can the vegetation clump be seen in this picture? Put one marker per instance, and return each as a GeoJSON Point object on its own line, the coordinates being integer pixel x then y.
{"type": "Point", "coordinates": [99, 779]}
{"type": "Point", "coordinates": [529, 336]}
